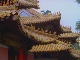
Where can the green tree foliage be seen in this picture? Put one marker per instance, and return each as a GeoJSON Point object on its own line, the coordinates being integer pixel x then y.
{"type": "Point", "coordinates": [45, 12]}
{"type": "Point", "coordinates": [75, 46]}
{"type": "Point", "coordinates": [78, 1]}
{"type": "Point", "coordinates": [78, 22]}
{"type": "Point", "coordinates": [78, 59]}
{"type": "Point", "coordinates": [78, 26]}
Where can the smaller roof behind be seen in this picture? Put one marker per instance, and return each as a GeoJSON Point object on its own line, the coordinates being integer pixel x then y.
{"type": "Point", "coordinates": [75, 52]}
{"type": "Point", "coordinates": [68, 35]}
{"type": "Point", "coordinates": [66, 29]}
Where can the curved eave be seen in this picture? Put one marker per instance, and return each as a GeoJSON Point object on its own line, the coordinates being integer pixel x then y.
{"type": "Point", "coordinates": [8, 13]}
{"type": "Point", "coordinates": [49, 48]}
{"type": "Point", "coordinates": [7, 8]}
{"type": "Point", "coordinates": [38, 36]}
{"type": "Point", "coordinates": [68, 35]}
{"type": "Point", "coordinates": [3, 8]}
{"type": "Point", "coordinates": [47, 51]}
{"type": "Point", "coordinates": [34, 12]}
{"type": "Point", "coordinates": [41, 19]}
{"type": "Point", "coordinates": [38, 19]}
{"type": "Point", "coordinates": [66, 29]}
{"type": "Point", "coordinates": [27, 4]}
{"type": "Point", "coordinates": [75, 53]}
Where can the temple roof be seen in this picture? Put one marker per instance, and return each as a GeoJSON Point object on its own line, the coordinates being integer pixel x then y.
{"type": "Point", "coordinates": [66, 29]}
{"type": "Point", "coordinates": [29, 3]}
{"type": "Point", "coordinates": [7, 13]}
{"type": "Point", "coordinates": [34, 12]}
{"type": "Point", "coordinates": [6, 8]}
{"type": "Point", "coordinates": [39, 36]}
{"type": "Point", "coordinates": [20, 3]}
{"type": "Point", "coordinates": [63, 42]}
{"type": "Point", "coordinates": [68, 35]}
{"type": "Point", "coordinates": [75, 52]}
{"type": "Point", "coordinates": [49, 40]}
{"type": "Point", "coordinates": [49, 48]}
{"type": "Point", "coordinates": [39, 19]}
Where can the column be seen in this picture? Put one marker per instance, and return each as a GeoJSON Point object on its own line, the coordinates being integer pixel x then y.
{"type": "Point", "coordinates": [21, 54]}
{"type": "Point", "coordinates": [3, 52]}
{"type": "Point", "coordinates": [25, 56]}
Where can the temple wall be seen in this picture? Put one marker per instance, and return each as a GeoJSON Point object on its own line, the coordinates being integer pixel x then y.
{"type": "Point", "coordinates": [30, 57]}
{"type": "Point", "coordinates": [3, 52]}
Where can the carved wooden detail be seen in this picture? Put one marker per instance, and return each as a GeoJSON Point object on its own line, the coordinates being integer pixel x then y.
{"type": "Point", "coordinates": [12, 43]}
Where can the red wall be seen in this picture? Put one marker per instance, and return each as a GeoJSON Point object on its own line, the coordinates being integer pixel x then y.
{"type": "Point", "coordinates": [28, 57]}
{"type": "Point", "coordinates": [23, 56]}
{"type": "Point", "coordinates": [3, 53]}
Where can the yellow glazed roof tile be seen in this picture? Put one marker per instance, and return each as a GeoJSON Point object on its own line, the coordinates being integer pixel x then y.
{"type": "Point", "coordinates": [49, 48]}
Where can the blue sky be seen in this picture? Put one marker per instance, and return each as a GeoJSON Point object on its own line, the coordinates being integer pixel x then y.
{"type": "Point", "coordinates": [70, 10]}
